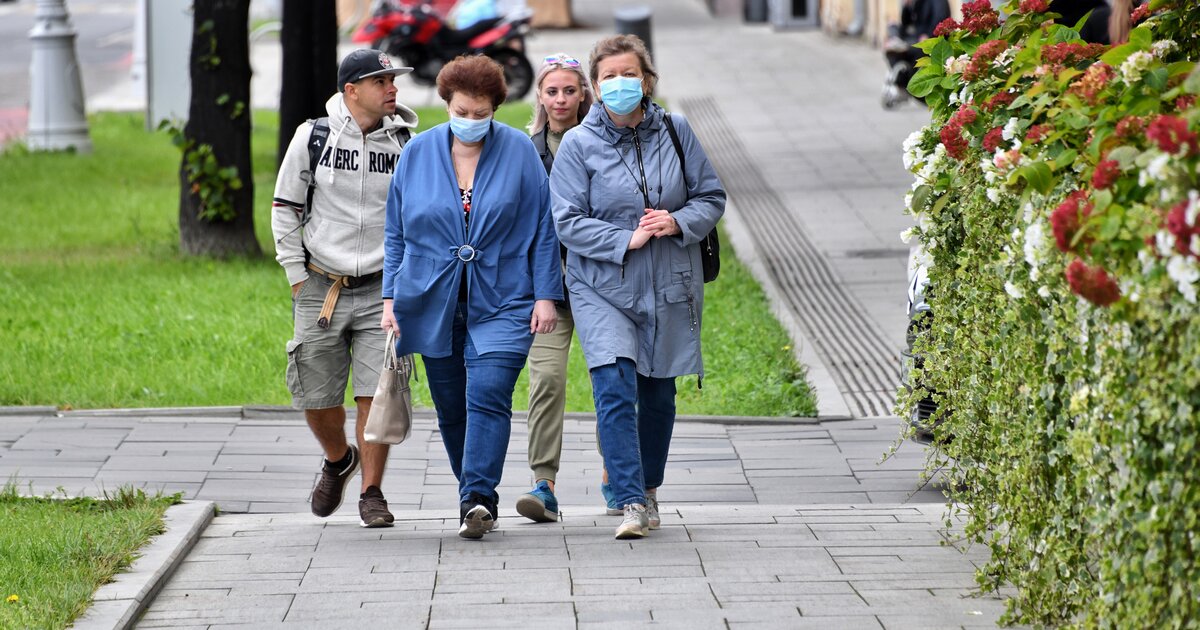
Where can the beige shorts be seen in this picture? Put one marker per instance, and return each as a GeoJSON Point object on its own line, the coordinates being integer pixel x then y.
{"type": "Point", "coordinates": [321, 359]}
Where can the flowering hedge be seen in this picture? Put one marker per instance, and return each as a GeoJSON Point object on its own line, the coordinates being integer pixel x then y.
{"type": "Point", "coordinates": [1056, 198]}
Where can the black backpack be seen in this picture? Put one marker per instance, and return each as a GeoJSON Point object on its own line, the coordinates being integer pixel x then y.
{"type": "Point", "coordinates": [710, 245]}
{"type": "Point", "coordinates": [316, 146]}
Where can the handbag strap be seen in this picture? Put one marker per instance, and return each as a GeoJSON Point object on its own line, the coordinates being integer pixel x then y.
{"type": "Point", "coordinates": [389, 350]}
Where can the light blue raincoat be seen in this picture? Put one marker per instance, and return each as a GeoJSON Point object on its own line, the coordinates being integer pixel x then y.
{"type": "Point", "coordinates": [645, 304]}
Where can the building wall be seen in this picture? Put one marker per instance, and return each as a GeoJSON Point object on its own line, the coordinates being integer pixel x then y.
{"type": "Point", "coordinates": [838, 15]}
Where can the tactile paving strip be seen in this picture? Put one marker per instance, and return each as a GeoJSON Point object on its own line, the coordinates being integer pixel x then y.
{"type": "Point", "coordinates": [863, 363]}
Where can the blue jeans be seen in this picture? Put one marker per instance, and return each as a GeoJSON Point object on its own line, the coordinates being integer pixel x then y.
{"type": "Point", "coordinates": [635, 415]}
{"type": "Point", "coordinates": [473, 397]}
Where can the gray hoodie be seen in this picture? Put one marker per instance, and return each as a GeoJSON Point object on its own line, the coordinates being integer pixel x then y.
{"type": "Point", "coordinates": [344, 236]}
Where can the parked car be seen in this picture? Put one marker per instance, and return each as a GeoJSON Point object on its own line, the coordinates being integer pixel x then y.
{"type": "Point", "coordinates": [920, 317]}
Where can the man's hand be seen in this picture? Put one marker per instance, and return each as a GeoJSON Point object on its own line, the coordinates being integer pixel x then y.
{"type": "Point", "coordinates": [545, 317]}
{"type": "Point", "coordinates": [296, 288]}
{"type": "Point", "coordinates": [389, 323]}
{"type": "Point", "coordinates": [660, 223]}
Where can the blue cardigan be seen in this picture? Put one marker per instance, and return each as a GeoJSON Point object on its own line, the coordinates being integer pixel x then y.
{"type": "Point", "coordinates": [512, 231]}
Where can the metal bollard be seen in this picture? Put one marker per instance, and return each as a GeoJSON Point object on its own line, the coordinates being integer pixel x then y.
{"type": "Point", "coordinates": [56, 115]}
{"type": "Point", "coordinates": [755, 11]}
{"type": "Point", "coordinates": [635, 20]}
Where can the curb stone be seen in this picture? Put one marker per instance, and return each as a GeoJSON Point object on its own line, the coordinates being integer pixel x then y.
{"type": "Point", "coordinates": [119, 604]}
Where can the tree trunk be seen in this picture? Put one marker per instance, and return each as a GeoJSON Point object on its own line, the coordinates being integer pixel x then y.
{"type": "Point", "coordinates": [219, 116]}
{"type": "Point", "coordinates": [310, 60]}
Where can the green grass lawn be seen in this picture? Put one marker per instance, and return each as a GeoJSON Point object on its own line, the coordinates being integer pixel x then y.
{"type": "Point", "coordinates": [102, 310]}
{"type": "Point", "coordinates": [56, 553]}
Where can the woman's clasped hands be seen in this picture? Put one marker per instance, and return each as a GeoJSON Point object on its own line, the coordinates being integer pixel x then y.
{"type": "Point", "coordinates": [656, 224]}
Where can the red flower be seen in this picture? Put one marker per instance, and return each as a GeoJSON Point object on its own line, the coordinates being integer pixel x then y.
{"type": "Point", "coordinates": [945, 27]}
{"type": "Point", "coordinates": [953, 140]}
{"type": "Point", "coordinates": [1067, 219]}
{"type": "Point", "coordinates": [1130, 127]}
{"type": "Point", "coordinates": [981, 61]}
{"type": "Point", "coordinates": [1034, 6]}
{"type": "Point", "coordinates": [1071, 53]}
{"type": "Point", "coordinates": [1171, 134]}
{"type": "Point", "coordinates": [1092, 283]}
{"type": "Point", "coordinates": [993, 139]}
{"type": "Point", "coordinates": [1107, 172]}
{"type": "Point", "coordinates": [978, 17]}
{"type": "Point", "coordinates": [1177, 225]}
{"type": "Point", "coordinates": [1001, 99]}
{"type": "Point", "coordinates": [964, 116]}
{"type": "Point", "coordinates": [1093, 81]}
{"type": "Point", "coordinates": [1140, 13]}
{"type": "Point", "coordinates": [1037, 133]}
{"type": "Point", "coordinates": [1185, 102]}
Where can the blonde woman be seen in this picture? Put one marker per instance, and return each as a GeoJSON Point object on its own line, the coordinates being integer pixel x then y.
{"type": "Point", "coordinates": [563, 99]}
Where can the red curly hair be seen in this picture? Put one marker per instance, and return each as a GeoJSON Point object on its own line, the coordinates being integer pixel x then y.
{"type": "Point", "coordinates": [474, 75]}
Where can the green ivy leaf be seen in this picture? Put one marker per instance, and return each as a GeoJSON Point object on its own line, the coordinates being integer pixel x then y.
{"type": "Point", "coordinates": [921, 197]}
{"type": "Point", "coordinates": [941, 52]}
{"type": "Point", "coordinates": [1192, 83]}
{"type": "Point", "coordinates": [924, 81]}
{"type": "Point", "coordinates": [1156, 79]}
{"type": "Point", "coordinates": [1037, 175]}
{"type": "Point", "coordinates": [1064, 159]}
{"type": "Point", "coordinates": [928, 45]}
{"type": "Point", "coordinates": [1124, 155]}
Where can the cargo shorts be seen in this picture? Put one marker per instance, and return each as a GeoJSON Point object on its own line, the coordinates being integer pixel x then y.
{"type": "Point", "coordinates": [320, 360]}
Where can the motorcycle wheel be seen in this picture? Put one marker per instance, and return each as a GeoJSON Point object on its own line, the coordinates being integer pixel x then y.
{"type": "Point", "coordinates": [518, 74]}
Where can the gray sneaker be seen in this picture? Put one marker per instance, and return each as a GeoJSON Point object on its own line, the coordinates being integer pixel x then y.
{"type": "Point", "coordinates": [636, 524]}
{"type": "Point", "coordinates": [652, 511]}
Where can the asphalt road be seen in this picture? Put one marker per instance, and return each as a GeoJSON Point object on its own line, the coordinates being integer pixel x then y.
{"type": "Point", "coordinates": [103, 45]}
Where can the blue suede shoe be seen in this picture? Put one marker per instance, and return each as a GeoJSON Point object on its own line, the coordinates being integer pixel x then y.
{"type": "Point", "coordinates": [539, 504]}
{"type": "Point", "coordinates": [612, 509]}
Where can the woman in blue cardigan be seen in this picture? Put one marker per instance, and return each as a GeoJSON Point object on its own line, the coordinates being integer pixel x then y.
{"type": "Point", "coordinates": [471, 272]}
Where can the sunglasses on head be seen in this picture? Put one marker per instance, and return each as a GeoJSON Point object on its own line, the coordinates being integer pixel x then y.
{"type": "Point", "coordinates": [562, 60]}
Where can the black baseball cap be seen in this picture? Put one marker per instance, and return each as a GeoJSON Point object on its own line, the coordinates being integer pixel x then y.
{"type": "Point", "coordinates": [363, 63]}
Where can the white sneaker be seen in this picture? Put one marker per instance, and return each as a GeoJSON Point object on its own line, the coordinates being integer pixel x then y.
{"type": "Point", "coordinates": [636, 523]}
{"type": "Point", "coordinates": [654, 520]}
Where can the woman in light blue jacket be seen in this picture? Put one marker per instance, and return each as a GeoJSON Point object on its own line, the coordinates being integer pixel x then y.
{"type": "Point", "coordinates": [470, 273]}
{"type": "Point", "coordinates": [632, 222]}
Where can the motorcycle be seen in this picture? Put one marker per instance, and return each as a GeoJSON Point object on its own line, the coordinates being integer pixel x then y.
{"type": "Point", "coordinates": [422, 39]}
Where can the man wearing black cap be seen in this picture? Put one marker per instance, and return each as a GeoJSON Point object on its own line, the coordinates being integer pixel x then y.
{"type": "Point", "coordinates": [332, 252]}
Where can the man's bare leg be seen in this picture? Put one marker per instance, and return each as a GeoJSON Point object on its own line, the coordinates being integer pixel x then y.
{"type": "Point", "coordinates": [329, 427]}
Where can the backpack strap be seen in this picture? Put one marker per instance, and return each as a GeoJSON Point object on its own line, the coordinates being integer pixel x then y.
{"type": "Point", "coordinates": [317, 138]}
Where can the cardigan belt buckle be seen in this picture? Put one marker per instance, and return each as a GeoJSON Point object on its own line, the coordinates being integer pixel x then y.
{"type": "Point", "coordinates": [465, 253]}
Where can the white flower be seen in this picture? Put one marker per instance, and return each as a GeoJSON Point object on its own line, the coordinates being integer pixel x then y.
{"type": "Point", "coordinates": [908, 197]}
{"type": "Point", "coordinates": [1135, 65]}
{"type": "Point", "coordinates": [1010, 129]}
{"type": "Point", "coordinates": [993, 195]}
{"type": "Point", "coordinates": [912, 149]}
{"type": "Point", "coordinates": [1184, 272]}
{"type": "Point", "coordinates": [1193, 207]}
{"type": "Point", "coordinates": [1004, 58]}
{"type": "Point", "coordinates": [1013, 290]}
{"type": "Point", "coordinates": [1035, 240]}
{"type": "Point", "coordinates": [1162, 47]}
{"type": "Point", "coordinates": [1164, 242]}
{"type": "Point", "coordinates": [1156, 169]}
{"type": "Point", "coordinates": [1027, 214]}
{"type": "Point", "coordinates": [907, 235]}
{"type": "Point", "coordinates": [956, 65]}
{"type": "Point", "coordinates": [1044, 292]}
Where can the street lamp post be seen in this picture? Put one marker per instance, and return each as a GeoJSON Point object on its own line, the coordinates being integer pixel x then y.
{"type": "Point", "coordinates": [56, 114]}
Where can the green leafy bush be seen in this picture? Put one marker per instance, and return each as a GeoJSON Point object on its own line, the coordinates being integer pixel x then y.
{"type": "Point", "coordinates": [1056, 197]}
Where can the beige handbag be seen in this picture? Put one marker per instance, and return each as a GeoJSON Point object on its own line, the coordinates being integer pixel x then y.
{"type": "Point", "coordinates": [390, 421]}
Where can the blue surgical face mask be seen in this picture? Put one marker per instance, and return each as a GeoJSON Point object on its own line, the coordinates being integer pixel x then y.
{"type": "Point", "coordinates": [468, 130]}
{"type": "Point", "coordinates": [622, 95]}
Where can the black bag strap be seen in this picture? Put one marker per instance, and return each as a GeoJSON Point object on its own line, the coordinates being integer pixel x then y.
{"type": "Point", "coordinates": [678, 146]}
{"type": "Point", "coordinates": [317, 138]}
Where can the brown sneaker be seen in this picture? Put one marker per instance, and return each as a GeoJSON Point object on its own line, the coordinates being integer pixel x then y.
{"type": "Point", "coordinates": [327, 495]}
{"type": "Point", "coordinates": [373, 509]}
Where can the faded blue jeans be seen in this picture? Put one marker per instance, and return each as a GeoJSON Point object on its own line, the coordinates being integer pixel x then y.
{"type": "Point", "coordinates": [635, 415]}
{"type": "Point", "coordinates": [473, 396]}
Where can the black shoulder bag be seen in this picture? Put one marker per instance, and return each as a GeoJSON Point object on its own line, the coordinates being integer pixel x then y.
{"type": "Point", "coordinates": [710, 245]}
